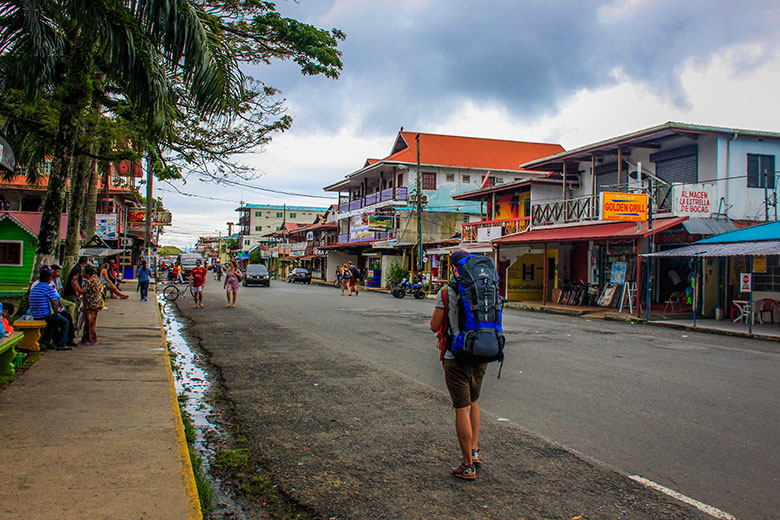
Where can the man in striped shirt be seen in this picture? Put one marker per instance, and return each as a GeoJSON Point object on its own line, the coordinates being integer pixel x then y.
{"type": "Point", "coordinates": [43, 299]}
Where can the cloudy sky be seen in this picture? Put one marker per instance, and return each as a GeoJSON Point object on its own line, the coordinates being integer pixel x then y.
{"type": "Point", "coordinates": [568, 72]}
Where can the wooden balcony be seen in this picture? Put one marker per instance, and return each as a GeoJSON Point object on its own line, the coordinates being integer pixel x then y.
{"type": "Point", "coordinates": [565, 211]}
{"type": "Point", "coordinates": [470, 230]}
{"type": "Point", "coordinates": [399, 194]}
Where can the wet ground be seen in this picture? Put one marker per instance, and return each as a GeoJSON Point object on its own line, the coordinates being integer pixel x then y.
{"type": "Point", "coordinates": [350, 434]}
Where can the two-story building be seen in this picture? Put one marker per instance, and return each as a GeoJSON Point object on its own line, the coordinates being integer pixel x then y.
{"type": "Point", "coordinates": [700, 181]}
{"type": "Point", "coordinates": [259, 220]}
{"type": "Point", "coordinates": [377, 215]}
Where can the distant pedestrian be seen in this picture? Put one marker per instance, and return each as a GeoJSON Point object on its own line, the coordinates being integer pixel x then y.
{"type": "Point", "coordinates": [464, 380]}
{"type": "Point", "coordinates": [344, 274]}
{"type": "Point", "coordinates": [144, 275]}
{"type": "Point", "coordinates": [218, 271]}
{"type": "Point", "coordinates": [354, 278]}
{"type": "Point", "coordinates": [92, 303]}
{"type": "Point", "coordinates": [198, 280]}
{"type": "Point", "coordinates": [232, 283]}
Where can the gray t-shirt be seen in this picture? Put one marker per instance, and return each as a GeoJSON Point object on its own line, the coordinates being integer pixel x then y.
{"type": "Point", "coordinates": [452, 299]}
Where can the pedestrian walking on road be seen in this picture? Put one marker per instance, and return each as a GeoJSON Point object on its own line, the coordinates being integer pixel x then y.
{"type": "Point", "coordinates": [232, 283]}
{"type": "Point", "coordinates": [198, 280]}
{"type": "Point", "coordinates": [92, 303]}
{"type": "Point", "coordinates": [464, 380]}
{"type": "Point", "coordinates": [144, 275]}
{"type": "Point", "coordinates": [353, 278]}
{"type": "Point", "coordinates": [344, 274]}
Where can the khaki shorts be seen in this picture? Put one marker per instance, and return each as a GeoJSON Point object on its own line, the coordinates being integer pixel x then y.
{"type": "Point", "coordinates": [463, 381]}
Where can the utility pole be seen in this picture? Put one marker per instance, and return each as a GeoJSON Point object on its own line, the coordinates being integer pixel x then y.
{"type": "Point", "coordinates": [419, 210]}
{"type": "Point", "coordinates": [149, 194]}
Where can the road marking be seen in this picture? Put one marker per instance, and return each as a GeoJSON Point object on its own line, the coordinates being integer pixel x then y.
{"type": "Point", "coordinates": [712, 511]}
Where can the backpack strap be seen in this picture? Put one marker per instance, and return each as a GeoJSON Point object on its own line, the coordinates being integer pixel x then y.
{"type": "Point", "coordinates": [443, 334]}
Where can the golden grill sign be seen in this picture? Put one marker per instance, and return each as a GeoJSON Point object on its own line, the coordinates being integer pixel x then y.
{"type": "Point", "coordinates": [627, 207]}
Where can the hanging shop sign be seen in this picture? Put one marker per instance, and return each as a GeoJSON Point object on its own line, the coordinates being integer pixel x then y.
{"type": "Point", "coordinates": [630, 207]}
{"type": "Point", "coordinates": [105, 226]}
{"type": "Point", "coordinates": [358, 228]}
{"type": "Point", "coordinates": [694, 200]}
{"type": "Point", "coordinates": [136, 218]}
{"type": "Point", "coordinates": [745, 282]}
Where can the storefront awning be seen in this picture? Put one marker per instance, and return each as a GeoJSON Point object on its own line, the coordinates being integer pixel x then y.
{"type": "Point", "coordinates": [471, 248]}
{"type": "Point", "coordinates": [609, 230]}
{"type": "Point", "coordinates": [708, 226]}
{"type": "Point", "coordinates": [762, 248]}
{"type": "Point", "coordinates": [99, 251]}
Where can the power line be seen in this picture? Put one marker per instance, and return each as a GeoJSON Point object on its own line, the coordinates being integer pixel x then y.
{"type": "Point", "coordinates": [282, 192]}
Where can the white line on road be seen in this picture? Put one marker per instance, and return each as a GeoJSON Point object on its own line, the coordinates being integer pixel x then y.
{"type": "Point", "coordinates": [712, 511]}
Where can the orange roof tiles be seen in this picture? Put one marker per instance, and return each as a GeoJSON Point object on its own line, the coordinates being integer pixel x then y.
{"type": "Point", "coordinates": [470, 152]}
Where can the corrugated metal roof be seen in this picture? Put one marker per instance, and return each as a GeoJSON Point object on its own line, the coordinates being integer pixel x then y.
{"type": "Point", "coordinates": [605, 230]}
{"type": "Point", "coordinates": [708, 226]}
{"type": "Point", "coordinates": [760, 248]}
{"type": "Point", "coordinates": [770, 231]}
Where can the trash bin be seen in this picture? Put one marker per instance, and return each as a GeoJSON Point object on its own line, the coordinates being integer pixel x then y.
{"type": "Point", "coordinates": [128, 273]}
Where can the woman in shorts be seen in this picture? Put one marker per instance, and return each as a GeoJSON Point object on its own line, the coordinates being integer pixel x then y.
{"type": "Point", "coordinates": [231, 285]}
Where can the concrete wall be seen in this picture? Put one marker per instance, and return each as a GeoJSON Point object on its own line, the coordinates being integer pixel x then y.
{"type": "Point", "coordinates": [337, 259]}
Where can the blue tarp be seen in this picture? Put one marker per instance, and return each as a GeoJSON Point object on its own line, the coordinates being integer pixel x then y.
{"type": "Point", "coordinates": [770, 231]}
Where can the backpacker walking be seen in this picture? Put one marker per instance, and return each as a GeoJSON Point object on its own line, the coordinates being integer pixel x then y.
{"type": "Point", "coordinates": [467, 318]}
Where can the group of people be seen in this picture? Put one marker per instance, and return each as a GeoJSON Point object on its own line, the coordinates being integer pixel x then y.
{"type": "Point", "coordinates": [68, 307]}
{"type": "Point", "coordinates": [349, 276]}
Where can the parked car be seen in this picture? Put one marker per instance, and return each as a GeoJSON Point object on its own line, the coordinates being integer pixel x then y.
{"type": "Point", "coordinates": [299, 274]}
{"type": "Point", "coordinates": [256, 274]}
{"type": "Point", "coordinates": [188, 262]}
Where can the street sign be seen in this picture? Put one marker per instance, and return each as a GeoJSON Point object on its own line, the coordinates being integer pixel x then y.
{"type": "Point", "coordinates": [745, 282]}
{"type": "Point", "coordinates": [631, 207]}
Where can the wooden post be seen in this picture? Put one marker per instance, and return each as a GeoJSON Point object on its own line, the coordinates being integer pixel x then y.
{"type": "Point", "coordinates": [620, 168]}
{"type": "Point", "coordinates": [564, 181]}
{"type": "Point", "coordinates": [592, 186]}
{"type": "Point", "coordinates": [638, 271]}
{"type": "Point", "coordinates": [544, 274]}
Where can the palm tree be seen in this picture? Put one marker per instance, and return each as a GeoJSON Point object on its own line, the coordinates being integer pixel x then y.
{"type": "Point", "coordinates": [146, 47]}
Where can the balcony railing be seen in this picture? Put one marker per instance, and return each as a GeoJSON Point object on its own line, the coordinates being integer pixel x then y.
{"type": "Point", "coordinates": [564, 211]}
{"type": "Point", "coordinates": [470, 230]}
{"type": "Point", "coordinates": [400, 193]}
{"type": "Point", "coordinates": [375, 235]}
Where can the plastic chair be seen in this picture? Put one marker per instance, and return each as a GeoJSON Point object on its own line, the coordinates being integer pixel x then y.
{"type": "Point", "coordinates": [767, 305]}
{"type": "Point", "coordinates": [674, 299]}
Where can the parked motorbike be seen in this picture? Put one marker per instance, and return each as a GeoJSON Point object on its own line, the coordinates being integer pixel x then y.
{"type": "Point", "coordinates": [406, 287]}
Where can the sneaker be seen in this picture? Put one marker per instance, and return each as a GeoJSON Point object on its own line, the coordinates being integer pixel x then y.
{"type": "Point", "coordinates": [475, 457]}
{"type": "Point", "coordinates": [465, 472]}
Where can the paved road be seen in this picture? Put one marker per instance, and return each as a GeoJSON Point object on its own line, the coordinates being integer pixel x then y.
{"type": "Point", "coordinates": [697, 413]}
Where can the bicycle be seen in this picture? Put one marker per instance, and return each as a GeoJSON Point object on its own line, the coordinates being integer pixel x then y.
{"type": "Point", "coordinates": [172, 291]}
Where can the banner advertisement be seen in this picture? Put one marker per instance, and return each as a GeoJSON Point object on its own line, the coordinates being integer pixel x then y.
{"type": "Point", "coordinates": [380, 222]}
{"type": "Point", "coordinates": [358, 228]}
{"type": "Point", "coordinates": [105, 225]}
{"type": "Point", "coordinates": [694, 200]}
{"type": "Point", "coordinates": [629, 207]}
{"type": "Point", "coordinates": [136, 218]}
{"type": "Point", "coordinates": [486, 234]}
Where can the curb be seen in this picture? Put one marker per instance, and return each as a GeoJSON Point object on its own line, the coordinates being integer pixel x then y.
{"type": "Point", "coordinates": [733, 333]}
{"type": "Point", "coordinates": [187, 475]}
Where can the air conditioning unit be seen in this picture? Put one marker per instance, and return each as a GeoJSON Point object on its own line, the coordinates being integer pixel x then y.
{"type": "Point", "coordinates": [413, 198]}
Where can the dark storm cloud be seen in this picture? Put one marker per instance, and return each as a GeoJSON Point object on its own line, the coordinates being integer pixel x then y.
{"type": "Point", "coordinates": [413, 63]}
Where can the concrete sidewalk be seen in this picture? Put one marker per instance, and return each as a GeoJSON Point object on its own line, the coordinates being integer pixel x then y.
{"type": "Point", "coordinates": [95, 432]}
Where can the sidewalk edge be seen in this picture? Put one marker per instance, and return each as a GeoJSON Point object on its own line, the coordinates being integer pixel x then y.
{"type": "Point", "coordinates": [187, 475]}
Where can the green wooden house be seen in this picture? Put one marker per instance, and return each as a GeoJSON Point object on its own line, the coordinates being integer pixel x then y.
{"type": "Point", "coordinates": [18, 242]}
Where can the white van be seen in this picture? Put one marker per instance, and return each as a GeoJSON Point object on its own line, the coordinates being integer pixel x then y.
{"type": "Point", "coordinates": [188, 262]}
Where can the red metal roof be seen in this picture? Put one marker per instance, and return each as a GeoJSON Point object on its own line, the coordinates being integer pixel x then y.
{"type": "Point", "coordinates": [30, 221]}
{"type": "Point", "coordinates": [616, 230]}
{"type": "Point", "coordinates": [469, 152]}
{"type": "Point", "coordinates": [349, 244]}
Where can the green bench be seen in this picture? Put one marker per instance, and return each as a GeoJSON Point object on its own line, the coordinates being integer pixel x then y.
{"type": "Point", "coordinates": [8, 353]}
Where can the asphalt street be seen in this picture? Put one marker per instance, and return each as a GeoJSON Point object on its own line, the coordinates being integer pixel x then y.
{"type": "Point", "coordinates": [697, 413]}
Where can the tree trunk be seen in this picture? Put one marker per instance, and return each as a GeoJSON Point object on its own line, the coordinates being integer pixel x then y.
{"type": "Point", "coordinates": [77, 93]}
{"type": "Point", "coordinates": [91, 205]}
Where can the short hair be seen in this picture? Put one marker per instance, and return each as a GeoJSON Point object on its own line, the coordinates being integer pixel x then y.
{"type": "Point", "coordinates": [89, 270]}
{"type": "Point", "coordinates": [45, 276]}
{"type": "Point", "coordinates": [55, 267]}
{"type": "Point", "coordinates": [82, 259]}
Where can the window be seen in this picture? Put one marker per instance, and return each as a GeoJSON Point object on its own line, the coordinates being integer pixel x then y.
{"type": "Point", "coordinates": [760, 171]}
{"type": "Point", "coordinates": [450, 177]}
{"type": "Point", "coordinates": [292, 215]}
{"type": "Point", "coordinates": [429, 180]}
{"type": "Point", "coordinates": [258, 228]}
{"type": "Point", "coordinates": [491, 180]}
{"type": "Point", "coordinates": [247, 242]}
{"type": "Point", "coordinates": [258, 213]}
{"type": "Point", "coordinates": [466, 179]}
{"type": "Point", "coordinates": [400, 180]}
{"type": "Point", "coordinates": [279, 214]}
{"type": "Point", "coordinates": [499, 180]}
{"type": "Point", "coordinates": [10, 253]}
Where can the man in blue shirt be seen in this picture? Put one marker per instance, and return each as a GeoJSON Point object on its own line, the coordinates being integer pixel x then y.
{"type": "Point", "coordinates": [43, 298]}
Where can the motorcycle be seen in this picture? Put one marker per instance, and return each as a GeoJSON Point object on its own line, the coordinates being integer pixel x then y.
{"type": "Point", "coordinates": [406, 287]}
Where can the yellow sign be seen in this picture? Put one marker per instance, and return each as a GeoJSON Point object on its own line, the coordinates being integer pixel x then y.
{"type": "Point", "coordinates": [630, 207]}
{"type": "Point", "coordinates": [759, 264]}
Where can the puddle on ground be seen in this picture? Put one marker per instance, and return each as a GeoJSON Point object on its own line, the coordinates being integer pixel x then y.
{"type": "Point", "coordinates": [193, 381]}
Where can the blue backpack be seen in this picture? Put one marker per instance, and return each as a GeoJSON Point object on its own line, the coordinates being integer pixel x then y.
{"type": "Point", "coordinates": [479, 337]}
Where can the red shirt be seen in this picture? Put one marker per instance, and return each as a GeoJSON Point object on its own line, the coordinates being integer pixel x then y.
{"type": "Point", "coordinates": [198, 275]}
